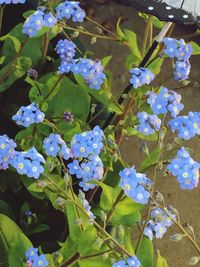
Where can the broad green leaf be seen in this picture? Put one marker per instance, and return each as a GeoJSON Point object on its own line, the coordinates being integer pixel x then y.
{"type": "Point", "coordinates": [127, 212]}
{"type": "Point", "coordinates": [32, 49]}
{"type": "Point", "coordinates": [14, 72]}
{"type": "Point", "coordinates": [145, 252]}
{"type": "Point", "coordinates": [89, 236]}
{"type": "Point", "coordinates": [95, 262]}
{"type": "Point", "coordinates": [68, 248]}
{"type": "Point", "coordinates": [13, 243]}
{"type": "Point", "coordinates": [108, 195]}
{"type": "Point", "coordinates": [156, 65]}
{"type": "Point", "coordinates": [69, 97]}
{"type": "Point", "coordinates": [103, 96]}
{"type": "Point", "coordinates": [161, 261]}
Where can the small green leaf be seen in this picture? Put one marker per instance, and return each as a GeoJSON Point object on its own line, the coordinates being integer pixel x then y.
{"type": "Point", "coordinates": [161, 261]}
{"type": "Point", "coordinates": [145, 252]}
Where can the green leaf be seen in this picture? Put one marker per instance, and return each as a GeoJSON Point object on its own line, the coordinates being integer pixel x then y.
{"type": "Point", "coordinates": [103, 96]}
{"type": "Point", "coordinates": [16, 71]}
{"type": "Point", "coordinates": [13, 243]}
{"type": "Point", "coordinates": [145, 252]}
{"type": "Point", "coordinates": [108, 195]}
{"type": "Point", "coordinates": [131, 38]}
{"type": "Point", "coordinates": [97, 262]}
{"type": "Point", "coordinates": [69, 96]}
{"type": "Point", "coordinates": [32, 49]}
{"type": "Point", "coordinates": [127, 212]}
{"type": "Point", "coordinates": [151, 159]}
{"type": "Point", "coordinates": [195, 48]}
{"type": "Point", "coordinates": [106, 60]}
{"type": "Point", "coordinates": [156, 65]}
{"type": "Point", "coordinates": [120, 33]}
{"type": "Point", "coordinates": [68, 248]}
{"type": "Point", "coordinates": [161, 261]}
{"type": "Point", "coordinates": [89, 236]}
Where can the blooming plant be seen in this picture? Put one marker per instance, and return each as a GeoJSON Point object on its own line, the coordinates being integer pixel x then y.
{"type": "Point", "coordinates": [80, 203]}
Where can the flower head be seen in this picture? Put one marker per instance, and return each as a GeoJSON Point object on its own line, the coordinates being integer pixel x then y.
{"type": "Point", "coordinates": [148, 124]}
{"type": "Point", "coordinates": [141, 76]}
{"type": "Point", "coordinates": [28, 115]}
{"type": "Point", "coordinates": [55, 145]}
{"type": "Point", "coordinates": [185, 169]}
{"type": "Point", "coordinates": [135, 185]}
{"type": "Point", "coordinates": [7, 147]}
{"type": "Point", "coordinates": [129, 262]}
{"type": "Point", "coordinates": [70, 10]}
{"type": "Point", "coordinates": [166, 100]}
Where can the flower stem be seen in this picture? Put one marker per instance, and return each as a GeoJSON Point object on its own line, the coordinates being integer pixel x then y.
{"type": "Point", "coordinates": [97, 226]}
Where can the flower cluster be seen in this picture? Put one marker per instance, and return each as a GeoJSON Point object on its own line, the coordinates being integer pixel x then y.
{"type": "Point", "coordinates": [89, 169]}
{"type": "Point", "coordinates": [90, 70]}
{"type": "Point", "coordinates": [185, 169]}
{"type": "Point", "coordinates": [186, 126]}
{"type": "Point", "coordinates": [87, 143]}
{"type": "Point", "coordinates": [37, 21]}
{"type": "Point", "coordinates": [66, 50]}
{"type": "Point", "coordinates": [33, 259]}
{"type": "Point", "coordinates": [141, 76]}
{"type": "Point", "coordinates": [166, 100]}
{"type": "Point", "coordinates": [158, 224]}
{"type": "Point", "coordinates": [12, 2]}
{"type": "Point", "coordinates": [55, 145]}
{"type": "Point", "coordinates": [135, 185]}
{"type": "Point", "coordinates": [28, 163]}
{"type": "Point", "coordinates": [86, 147]}
{"type": "Point", "coordinates": [148, 124]}
{"type": "Point", "coordinates": [70, 10]}
{"type": "Point", "coordinates": [28, 115]}
{"type": "Point", "coordinates": [7, 148]}
{"type": "Point", "coordinates": [130, 262]}
{"type": "Point", "coordinates": [179, 50]}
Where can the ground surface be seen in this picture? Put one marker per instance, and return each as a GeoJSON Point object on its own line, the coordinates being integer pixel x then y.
{"type": "Point", "coordinates": [188, 203]}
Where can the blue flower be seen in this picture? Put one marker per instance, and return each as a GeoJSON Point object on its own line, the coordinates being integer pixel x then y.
{"type": "Point", "coordinates": [28, 163]}
{"type": "Point", "coordinates": [40, 261]}
{"type": "Point", "coordinates": [186, 126]}
{"type": "Point", "coordinates": [87, 143]}
{"type": "Point", "coordinates": [70, 10]}
{"type": "Point", "coordinates": [185, 169]}
{"type": "Point", "coordinates": [12, 1]}
{"type": "Point", "coordinates": [32, 254]}
{"type": "Point", "coordinates": [158, 223]}
{"type": "Point", "coordinates": [129, 262]}
{"type": "Point", "coordinates": [166, 100]}
{"type": "Point", "coordinates": [28, 115]}
{"type": "Point", "coordinates": [7, 147]}
{"type": "Point", "coordinates": [37, 21]}
{"type": "Point", "coordinates": [88, 210]}
{"type": "Point", "coordinates": [177, 49]}
{"type": "Point", "coordinates": [135, 185]}
{"type": "Point", "coordinates": [182, 70]}
{"type": "Point", "coordinates": [66, 50]}
{"type": "Point", "coordinates": [91, 71]}
{"type": "Point", "coordinates": [148, 124]}
{"type": "Point", "coordinates": [133, 262]}
{"type": "Point", "coordinates": [89, 169]}
{"type": "Point", "coordinates": [141, 76]}
{"type": "Point", "coordinates": [54, 145]}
